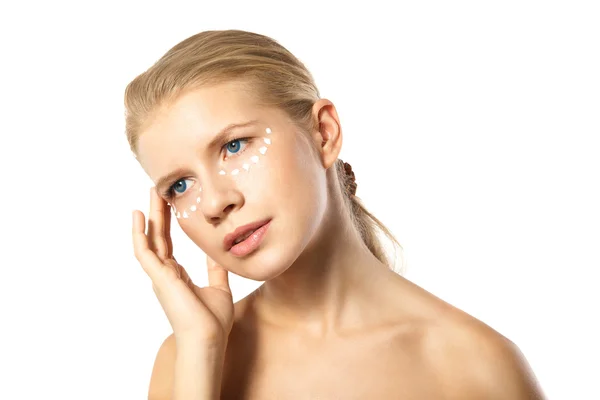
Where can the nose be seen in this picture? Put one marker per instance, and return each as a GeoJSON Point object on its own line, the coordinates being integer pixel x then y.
{"type": "Point", "coordinates": [220, 196]}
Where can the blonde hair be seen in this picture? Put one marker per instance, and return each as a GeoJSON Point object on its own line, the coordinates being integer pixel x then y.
{"type": "Point", "coordinates": [274, 75]}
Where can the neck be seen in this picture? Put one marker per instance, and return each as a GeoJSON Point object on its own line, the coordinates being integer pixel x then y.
{"type": "Point", "coordinates": [329, 288]}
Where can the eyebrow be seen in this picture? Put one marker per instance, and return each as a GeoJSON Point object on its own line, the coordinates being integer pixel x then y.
{"type": "Point", "coordinates": [164, 180]}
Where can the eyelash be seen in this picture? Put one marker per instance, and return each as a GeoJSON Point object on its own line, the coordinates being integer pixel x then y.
{"type": "Point", "coordinates": [168, 194]}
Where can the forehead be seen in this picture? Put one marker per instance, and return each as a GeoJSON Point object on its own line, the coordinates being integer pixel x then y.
{"type": "Point", "coordinates": [199, 112]}
{"type": "Point", "coordinates": [192, 120]}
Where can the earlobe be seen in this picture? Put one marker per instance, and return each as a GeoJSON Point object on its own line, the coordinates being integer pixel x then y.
{"type": "Point", "coordinates": [329, 132]}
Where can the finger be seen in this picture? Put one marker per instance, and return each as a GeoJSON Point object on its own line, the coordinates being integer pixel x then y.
{"type": "Point", "coordinates": [218, 276]}
{"type": "Point", "coordinates": [147, 258]}
{"type": "Point", "coordinates": [156, 226]}
{"type": "Point", "coordinates": [185, 277]}
{"type": "Point", "coordinates": [167, 230]}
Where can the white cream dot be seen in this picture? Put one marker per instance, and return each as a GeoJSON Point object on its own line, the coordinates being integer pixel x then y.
{"type": "Point", "coordinates": [235, 172]}
{"type": "Point", "coordinates": [254, 159]}
{"type": "Point", "coordinates": [221, 172]}
{"type": "Point", "coordinates": [263, 150]}
{"type": "Point", "coordinates": [193, 208]}
{"type": "Point", "coordinates": [267, 141]}
{"type": "Point", "coordinates": [185, 215]}
{"type": "Point", "coordinates": [268, 130]}
{"type": "Point", "coordinates": [178, 215]}
{"type": "Point", "coordinates": [246, 167]}
{"type": "Point", "coordinates": [198, 200]}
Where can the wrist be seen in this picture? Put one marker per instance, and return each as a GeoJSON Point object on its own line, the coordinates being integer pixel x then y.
{"type": "Point", "coordinates": [193, 344]}
{"type": "Point", "coordinates": [198, 372]}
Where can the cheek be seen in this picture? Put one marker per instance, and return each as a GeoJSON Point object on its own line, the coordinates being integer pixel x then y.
{"type": "Point", "coordinates": [263, 169]}
{"type": "Point", "coordinates": [192, 227]}
{"type": "Point", "coordinates": [295, 177]}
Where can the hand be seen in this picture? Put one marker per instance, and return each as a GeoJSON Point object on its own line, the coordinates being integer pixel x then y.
{"type": "Point", "coordinates": [199, 314]}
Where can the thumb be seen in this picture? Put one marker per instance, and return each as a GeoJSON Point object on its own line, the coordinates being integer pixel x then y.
{"type": "Point", "coordinates": [218, 277]}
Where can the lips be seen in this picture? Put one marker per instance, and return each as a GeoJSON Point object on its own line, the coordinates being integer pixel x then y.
{"type": "Point", "coordinates": [243, 237]}
{"type": "Point", "coordinates": [241, 233]}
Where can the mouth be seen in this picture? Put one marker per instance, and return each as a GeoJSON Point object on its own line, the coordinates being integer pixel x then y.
{"type": "Point", "coordinates": [243, 237]}
{"type": "Point", "coordinates": [242, 233]}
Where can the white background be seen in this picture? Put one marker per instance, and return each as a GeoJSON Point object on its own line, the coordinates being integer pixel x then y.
{"type": "Point", "coordinates": [472, 126]}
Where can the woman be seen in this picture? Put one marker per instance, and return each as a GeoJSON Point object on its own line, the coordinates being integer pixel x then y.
{"type": "Point", "coordinates": [243, 152]}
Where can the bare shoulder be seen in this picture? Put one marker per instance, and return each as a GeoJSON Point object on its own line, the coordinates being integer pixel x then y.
{"type": "Point", "coordinates": [161, 381]}
{"type": "Point", "coordinates": [472, 360]}
{"type": "Point", "coordinates": [469, 359]}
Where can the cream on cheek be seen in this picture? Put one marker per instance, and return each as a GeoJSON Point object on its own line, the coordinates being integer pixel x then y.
{"type": "Point", "coordinates": [185, 203]}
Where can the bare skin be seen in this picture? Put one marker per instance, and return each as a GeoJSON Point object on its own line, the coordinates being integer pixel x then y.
{"type": "Point", "coordinates": [331, 321]}
{"type": "Point", "coordinates": [417, 348]}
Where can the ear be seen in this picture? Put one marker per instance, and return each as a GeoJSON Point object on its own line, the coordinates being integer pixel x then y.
{"type": "Point", "coordinates": [328, 136]}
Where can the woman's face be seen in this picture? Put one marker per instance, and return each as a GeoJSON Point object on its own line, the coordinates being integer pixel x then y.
{"type": "Point", "coordinates": [264, 171]}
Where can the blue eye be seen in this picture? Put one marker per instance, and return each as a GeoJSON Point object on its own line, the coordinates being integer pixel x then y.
{"type": "Point", "coordinates": [235, 146]}
{"type": "Point", "coordinates": [177, 188]}
{"type": "Point", "coordinates": [180, 186]}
